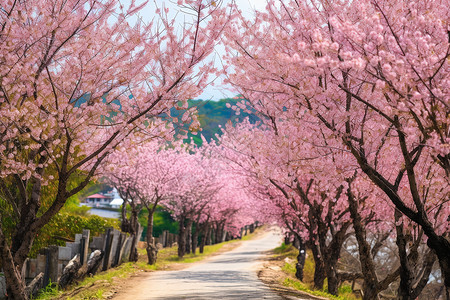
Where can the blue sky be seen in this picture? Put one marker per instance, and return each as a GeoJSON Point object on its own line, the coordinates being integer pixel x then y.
{"type": "Point", "coordinates": [219, 90]}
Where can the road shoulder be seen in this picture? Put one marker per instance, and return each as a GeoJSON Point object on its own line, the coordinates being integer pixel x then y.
{"type": "Point", "coordinates": [272, 275]}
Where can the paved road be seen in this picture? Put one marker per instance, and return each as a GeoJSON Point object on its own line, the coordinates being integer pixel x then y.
{"type": "Point", "coordinates": [231, 275]}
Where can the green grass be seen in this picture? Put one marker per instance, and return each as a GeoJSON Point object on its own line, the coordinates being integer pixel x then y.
{"type": "Point", "coordinates": [298, 285]}
{"type": "Point", "coordinates": [49, 292]}
{"type": "Point", "coordinates": [345, 291]}
{"type": "Point", "coordinates": [285, 250]}
{"type": "Point", "coordinates": [88, 295]}
{"type": "Point", "coordinates": [166, 258]}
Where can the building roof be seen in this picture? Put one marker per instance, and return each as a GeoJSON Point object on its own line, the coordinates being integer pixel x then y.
{"type": "Point", "coordinates": [98, 196]}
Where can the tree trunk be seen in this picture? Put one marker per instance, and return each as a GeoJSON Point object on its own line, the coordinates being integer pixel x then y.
{"type": "Point", "coordinates": [133, 251]}
{"type": "Point", "coordinates": [218, 232]}
{"type": "Point", "coordinates": [370, 285]}
{"type": "Point", "coordinates": [332, 257]}
{"type": "Point", "coordinates": [326, 253]}
{"type": "Point", "coordinates": [287, 238]}
{"type": "Point", "coordinates": [222, 230]}
{"type": "Point", "coordinates": [195, 238]}
{"type": "Point", "coordinates": [125, 224]}
{"type": "Point", "coordinates": [188, 238]}
{"type": "Point", "coordinates": [94, 261]}
{"type": "Point", "coordinates": [205, 235]}
{"type": "Point", "coordinates": [212, 238]}
{"type": "Point", "coordinates": [181, 237]}
{"type": "Point", "coordinates": [319, 270]}
{"type": "Point", "coordinates": [35, 285]}
{"type": "Point", "coordinates": [406, 276]}
{"type": "Point", "coordinates": [441, 247]}
{"type": "Point", "coordinates": [15, 285]}
{"type": "Point", "coordinates": [333, 282]}
{"type": "Point", "coordinates": [131, 226]}
{"type": "Point", "coordinates": [301, 257]}
{"type": "Point", "coordinates": [152, 251]}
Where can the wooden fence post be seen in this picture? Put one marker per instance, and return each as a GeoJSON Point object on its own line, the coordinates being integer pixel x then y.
{"type": "Point", "coordinates": [107, 248]}
{"type": "Point", "coordinates": [84, 246]}
{"type": "Point", "coordinates": [51, 265]}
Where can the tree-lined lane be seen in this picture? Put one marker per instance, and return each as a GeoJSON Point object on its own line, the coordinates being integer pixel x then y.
{"type": "Point", "coordinates": [231, 275]}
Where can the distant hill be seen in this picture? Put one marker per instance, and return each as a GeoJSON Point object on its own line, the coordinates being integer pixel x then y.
{"type": "Point", "coordinates": [211, 114]}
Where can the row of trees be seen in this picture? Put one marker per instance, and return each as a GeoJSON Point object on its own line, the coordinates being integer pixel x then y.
{"type": "Point", "coordinates": [187, 181]}
{"type": "Point", "coordinates": [355, 140]}
{"type": "Point", "coordinates": [353, 96]}
{"type": "Point", "coordinates": [77, 80]}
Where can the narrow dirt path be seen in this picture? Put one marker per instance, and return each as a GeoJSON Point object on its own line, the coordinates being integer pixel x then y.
{"type": "Point", "coordinates": [231, 275]}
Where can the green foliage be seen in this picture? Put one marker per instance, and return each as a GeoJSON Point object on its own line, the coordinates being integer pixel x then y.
{"type": "Point", "coordinates": [162, 220]}
{"type": "Point", "coordinates": [212, 115]}
{"type": "Point", "coordinates": [66, 225]}
{"type": "Point", "coordinates": [48, 292]}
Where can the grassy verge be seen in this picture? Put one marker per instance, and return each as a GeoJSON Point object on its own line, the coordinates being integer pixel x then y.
{"type": "Point", "coordinates": [289, 252]}
{"type": "Point", "coordinates": [100, 285]}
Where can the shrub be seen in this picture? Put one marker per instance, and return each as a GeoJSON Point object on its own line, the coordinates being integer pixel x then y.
{"type": "Point", "coordinates": [65, 225]}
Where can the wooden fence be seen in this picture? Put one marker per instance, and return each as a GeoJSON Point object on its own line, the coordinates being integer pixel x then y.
{"type": "Point", "coordinates": [114, 244]}
{"type": "Point", "coordinates": [52, 260]}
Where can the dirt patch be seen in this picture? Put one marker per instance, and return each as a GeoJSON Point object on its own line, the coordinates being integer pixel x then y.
{"type": "Point", "coordinates": [272, 275]}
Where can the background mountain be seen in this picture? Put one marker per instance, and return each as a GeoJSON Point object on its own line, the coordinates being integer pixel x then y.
{"type": "Point", "coordinates": [213, 114]}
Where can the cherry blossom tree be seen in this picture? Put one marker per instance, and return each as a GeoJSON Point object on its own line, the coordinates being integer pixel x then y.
{"type": "Point", "coordinates": [232, 206]}
{"type": "Point", "coordinates": [374, 76]}
{"type": "Point", "coordinates": [312, 199]}
{"type": "Point", "coordinates": [75, 80]}
{"type": "Point", "coordinates": [142, 176]}
{"type": "Point", "coordinates": [190, 192]}
{"type": "Point", "coordinates": [294, 183]}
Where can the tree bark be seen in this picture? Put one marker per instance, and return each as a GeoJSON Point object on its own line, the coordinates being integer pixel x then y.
{"type": "Point", "coordinates": [206, 233]}
{"type": "Point", "coordinates": [218, 233]}
{"type": "Point", "coordinates": [152, 250]}
{"type": "Point", "coordinates": [319, 270]}
{"type": "Point", "coordinates": [35, 285]}
{"type": "Point", "coordinates": [441, 247]}
{"type": "Point", "coordinates": [301, 257]}
{"type": "Point", "coordinates": [406, 276]}
{"type": "Point", "coordinates": [188, 238]}
{"type": "Point", "coordinates": [195, 238]}
{"type": "Point", "coordinates": [181, 237]}
{"type": "Point", "coordinates": [370, 285]}
{"type": "Point", "coordinates": [133, 251]}
{"type": "Point", "coordinates": [287, 238]}
{"type": "Point", "coordinates": [15, 284]}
